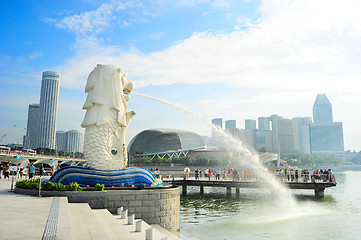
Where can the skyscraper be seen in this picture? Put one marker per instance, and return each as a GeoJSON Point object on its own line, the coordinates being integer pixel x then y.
{"type": "Point", "coordinates": [301, 127]}
{"type": "Point", "coordinates": [230, 124]}
{"type": "Point", "coordinates": [31, 139]}
{"type": "Point", "coordinates": [322, 110]}
{"type": "Point", "coordinates": [250, 124]}
{"type": "Point", "coordinates": [326, 136]}
{"type": "Point", "coordinates": [219, 123]}
{"type": "Point", "coordinates": [263, 123]}
{"type": "Point", "coordinates": [48, 109]}
{"type": "Point", "coordinates": [61, 141]}
{"type": "Point", "coordinates": [75, 141]}
{"type": "Point", "coordinates": [70, 141]}
{"type": "Point", "coordinates": [282, 135]}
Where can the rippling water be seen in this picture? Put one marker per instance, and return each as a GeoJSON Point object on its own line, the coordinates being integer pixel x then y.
{"type": "Point", "coordinates": [255, 215]}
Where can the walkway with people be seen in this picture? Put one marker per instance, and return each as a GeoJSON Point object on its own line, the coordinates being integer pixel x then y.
{"type": "Point", "coordinates": [318, 183]}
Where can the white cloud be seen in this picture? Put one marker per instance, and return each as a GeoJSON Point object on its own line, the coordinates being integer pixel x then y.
{"type": "Point", "coordinates": [306, 43]}
{"type": "Point", "coordinates": [296, 49]}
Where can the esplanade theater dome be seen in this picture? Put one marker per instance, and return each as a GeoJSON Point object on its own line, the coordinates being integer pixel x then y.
{"type": "Point", "coordinates": [154, 141]}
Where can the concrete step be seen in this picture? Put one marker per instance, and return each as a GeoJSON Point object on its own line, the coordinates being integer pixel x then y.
{"type": "Point", "coordinates": [165, 232]}
{"type": "Point", "coordinates": [64, 231]}
{"type": "Point", "coordinates": [159, 233]}
{"type": "Point", "coordinates": [113, 228]}
{"type": "Point", "coordinates": [85, 224]}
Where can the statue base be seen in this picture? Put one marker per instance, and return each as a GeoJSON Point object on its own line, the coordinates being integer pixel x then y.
{"type": "Point", "coordinates": [133, 176]}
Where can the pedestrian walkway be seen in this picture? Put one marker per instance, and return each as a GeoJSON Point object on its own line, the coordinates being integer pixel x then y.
{"type": "Point", "coordinates": [29, 217]}
{"type": "Point", "coordinates": [22, 216]}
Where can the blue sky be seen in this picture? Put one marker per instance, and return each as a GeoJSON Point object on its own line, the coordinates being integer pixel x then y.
{"type": "Point", "coordinates": [236, 59]}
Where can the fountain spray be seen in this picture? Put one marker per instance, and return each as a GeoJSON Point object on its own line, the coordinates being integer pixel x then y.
{"type": "Point", "coordinates": [281, 192]}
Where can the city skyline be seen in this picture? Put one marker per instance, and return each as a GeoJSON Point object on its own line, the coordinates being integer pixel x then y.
{"type": "Point", "coordinates": [235, 59]}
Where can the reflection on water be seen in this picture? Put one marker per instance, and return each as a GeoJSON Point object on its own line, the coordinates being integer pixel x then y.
{"type": "Point", "coordinates": [254, 215]}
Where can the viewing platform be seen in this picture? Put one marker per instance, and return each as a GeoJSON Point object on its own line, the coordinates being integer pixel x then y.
{"type": "Point", "coordinates": [318, 187]}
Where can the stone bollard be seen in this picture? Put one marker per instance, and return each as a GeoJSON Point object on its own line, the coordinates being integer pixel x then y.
{"type": "Point", "coordinates": [149, 234]}
{"type": "Point", "coordinates": [120, 210]}
{"type": "Point", "coordinates": [139, 225]}
{"type": "Point", "coordinates": [124, 214]}
{"type": "Point", "coordinates": [131, 219]}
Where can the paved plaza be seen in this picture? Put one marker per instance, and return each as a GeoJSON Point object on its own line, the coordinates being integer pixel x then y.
{"type": "Point", "coordinates": [29, 217]}
{"type": "Point", "coordinates": [22, 216]}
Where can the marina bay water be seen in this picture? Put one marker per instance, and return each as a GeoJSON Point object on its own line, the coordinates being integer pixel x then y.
{"type": "Point", "coordinates": [254, 216]}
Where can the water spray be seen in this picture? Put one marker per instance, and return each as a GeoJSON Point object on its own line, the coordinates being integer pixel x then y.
{"type": "Point", "coordinates": [262, 173]}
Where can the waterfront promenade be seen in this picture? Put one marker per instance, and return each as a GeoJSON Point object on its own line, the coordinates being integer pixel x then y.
{"type": "Point", "coordinates": [31, 217]}
{"type": "Point", "coordinates": [22, 216]}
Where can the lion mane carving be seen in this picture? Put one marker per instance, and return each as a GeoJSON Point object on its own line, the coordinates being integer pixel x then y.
{"type": "Point", "coordinates": [106, 118]}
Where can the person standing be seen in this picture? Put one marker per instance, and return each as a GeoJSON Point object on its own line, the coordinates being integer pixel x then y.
{"type": "Point", "coordinates": [217, 174]}
{"type": "Point", "coordinates": [31, 171]}
{"type": "Point", "coordinates": [196, 172]}
{"type": "Point", "coordinates": [1, 170]}
{"type": "Point", "coordinates": [186, 172]}
{"type": "Point", "coordinates": [157, 173]}
{"type": "Point", "coordinates": [52, 169]}
{"type": "Point", "coordinates": [6, 172]}
{"type": "Point", "coordinates": [41, 170]}
{"type": "Point", "coordinates": [21, 171]}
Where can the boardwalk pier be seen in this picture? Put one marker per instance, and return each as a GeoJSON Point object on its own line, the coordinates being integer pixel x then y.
{"type": "Point", "coordinates": [318, 187]}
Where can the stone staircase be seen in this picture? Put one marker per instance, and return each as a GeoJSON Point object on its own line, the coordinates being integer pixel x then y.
{"type": "Point", "coordinates": [78, 221]}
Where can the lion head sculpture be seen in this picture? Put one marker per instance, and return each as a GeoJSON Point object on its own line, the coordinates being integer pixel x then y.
{"type": "Point", "coordinates": [106, 118]}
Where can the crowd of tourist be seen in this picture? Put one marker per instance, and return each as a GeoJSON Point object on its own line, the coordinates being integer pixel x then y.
{"type": "Point", "coordinates": [27, 172]}
{"type": "Point", "coordinates": [285, 175]}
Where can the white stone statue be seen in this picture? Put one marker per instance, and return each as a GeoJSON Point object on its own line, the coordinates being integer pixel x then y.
{"type": "Point", "coordinates": [106, 118]}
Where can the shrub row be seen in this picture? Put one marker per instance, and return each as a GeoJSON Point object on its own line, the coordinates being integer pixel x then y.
{"type": "Point", "coordinates": [33, 184]}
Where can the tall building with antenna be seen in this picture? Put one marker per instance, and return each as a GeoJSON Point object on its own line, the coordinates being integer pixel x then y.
{"type": "Point", "coordinates": [48, 109]}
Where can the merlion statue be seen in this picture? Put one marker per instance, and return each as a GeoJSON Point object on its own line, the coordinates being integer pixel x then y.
{"type": "Point", "coordinates": [106, 118]}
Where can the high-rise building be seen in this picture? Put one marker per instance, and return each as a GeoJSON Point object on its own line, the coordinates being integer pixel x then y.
{"type": "Point", "coordinates": [230, 124]}
{"type": "Point", "coordinates": [327, 138]}
{"type": "Point", "coordinates": [264, 123]}
{"type": "Point", "coordinates": [219, 123]}
{"type": "Point", "coordinates": [322, 110]}
{"type": "Point", "coordinates": [70, 141]}
{"type": "Point", "coordinates": [61, 141]}
{"type": "Point", "coordinates": [301, 126]}
{"type": "Point", "coordinates": [263, 139]}
{"type": "Point", "coordinates": [282, 135]}
{"type": "Point", "coordinates": [250, 124]}
{"type": "Point", "coordinates": [48, 109]}
{"type": "Point", "coordinates": [31, 139]}
{"type": "Point", "coordinates": [75, 141]}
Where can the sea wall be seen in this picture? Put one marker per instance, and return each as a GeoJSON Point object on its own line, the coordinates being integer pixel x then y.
{"type": "Point", "coordinates": [154, 205]}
